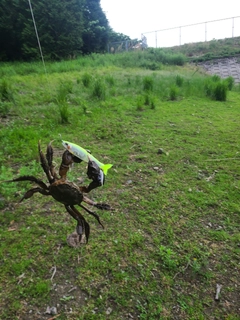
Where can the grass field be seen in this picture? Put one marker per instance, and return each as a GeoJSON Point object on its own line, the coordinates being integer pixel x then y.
{"type": "Point", "coordinates": [173, 234]}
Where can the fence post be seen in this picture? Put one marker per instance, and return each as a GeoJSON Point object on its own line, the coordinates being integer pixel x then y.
{"type": "Point", "coordinates": [205, 31]}
{"type": "Point", "coordinates": [232, 27]}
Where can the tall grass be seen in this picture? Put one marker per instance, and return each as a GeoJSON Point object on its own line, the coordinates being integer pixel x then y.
{"type": "Point", "coordinates": [216, 88]}
{"type": "Point", "coordinates": [151, 59]}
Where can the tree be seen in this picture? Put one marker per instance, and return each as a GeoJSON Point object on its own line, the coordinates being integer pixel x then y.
{"type": "Point", "coordinates": [11, 25]}
{"type": "Point", "coordinates": [59, 25]}
{"type": "Point", "coordinates": [96, 27]}
{"type": "Point", "coordinates": [65, 29]}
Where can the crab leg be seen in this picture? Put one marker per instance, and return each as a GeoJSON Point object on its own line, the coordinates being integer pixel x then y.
{"type": "Point", "coordinates": [31, 179]}
{"type": "Point", "coordinates": [91, 186]}
{"type": "Point", "coordinates": [43, 187]}
{"type": "Point", "coordinates": [82, 225]}
{"type": "Point", "coordinates": [49, 157]}
{"type": "Point", "coordinates": [93, 214]}
{"type": "Point", "coordinates": [31, 192]}
{"type": "Point", "coordinates": [45, 165]}
{"type": "Point", "coordinates": [101, 206]}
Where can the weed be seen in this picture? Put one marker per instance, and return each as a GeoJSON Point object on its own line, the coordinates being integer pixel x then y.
{"type": "Point", "coordinates": [6, 91]}
{"type": "Point", "coordinates": [147, 83]}
{"type": "Point", "coordinates": [63, 91]}
{"type": "Point", "coordinates": [99, 89]}
{"type": "Point", "coordinates": [229, 82]}
{"type": "Point", "coordinates": [168, 258]}
{"type": "Point", "coordinates": [110, 80]}
{"type": "Point", "coordinates": [86, 79]}
{"type": "Point", "coordinates": [5, 108]}
{"type": "Point", "coordinates": [179, 80]}
{"type": "Point", "coordinates": [216, 89]}
{"type": "Point", "coordinates": [220, 91]}
{"type": "Point", "coordinates": [64, 112]}
{"type": "Point", "coordinates": [173, 93]}
{"type": "Point", "coordinates": [140, 103]}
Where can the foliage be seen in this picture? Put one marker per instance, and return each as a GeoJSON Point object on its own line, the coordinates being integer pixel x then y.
{"type": "Point", "coordinates": [65, 29]}
{"type": "Point", "coordinates": [96, 28]}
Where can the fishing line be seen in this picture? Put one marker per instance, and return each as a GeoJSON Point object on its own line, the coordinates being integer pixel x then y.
{"type": "Point", "coordinates": [38, 40]}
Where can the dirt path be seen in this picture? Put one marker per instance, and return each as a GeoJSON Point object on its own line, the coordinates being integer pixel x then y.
{"type": "Point", "coordinates": [224, 67]}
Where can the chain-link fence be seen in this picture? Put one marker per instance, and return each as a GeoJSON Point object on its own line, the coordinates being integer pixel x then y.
{"type": "Point", "coordinates": [128, 45]}
{"type": "Point", "coordinates": [198, 32]}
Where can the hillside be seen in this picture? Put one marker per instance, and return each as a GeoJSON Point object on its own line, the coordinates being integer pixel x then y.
{"type": "Point", "coordinates": [203, 51]}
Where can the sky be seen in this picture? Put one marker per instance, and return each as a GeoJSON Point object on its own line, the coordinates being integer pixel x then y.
{"type": "Point", "coordinates": [134, 17]}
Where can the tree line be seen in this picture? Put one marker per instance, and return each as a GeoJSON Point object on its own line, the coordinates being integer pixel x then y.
{"type": "Point", "coordinates": [66, 29]}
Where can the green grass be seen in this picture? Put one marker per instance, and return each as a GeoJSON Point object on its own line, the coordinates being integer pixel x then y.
{"type": "Point", "coordinates": [174, 231]}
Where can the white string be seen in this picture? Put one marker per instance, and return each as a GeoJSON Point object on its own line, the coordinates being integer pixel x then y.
{"type": "Point", "coordinates": [39, 44]}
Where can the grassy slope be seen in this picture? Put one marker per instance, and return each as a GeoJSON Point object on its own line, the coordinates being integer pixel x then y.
{"type": "Point", "coordinates": [208, 50]}
{"type": "Point", "coordinates": [174, 231]}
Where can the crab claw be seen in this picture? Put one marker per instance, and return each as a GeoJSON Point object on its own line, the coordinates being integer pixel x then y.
{"type": "Point", "coordinates": [102, 206]}
{"type": "Point", "coordinates": [95, 173]}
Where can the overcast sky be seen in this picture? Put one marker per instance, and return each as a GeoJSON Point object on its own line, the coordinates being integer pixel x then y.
{"type": "Point", "coordinates": [134, 17]}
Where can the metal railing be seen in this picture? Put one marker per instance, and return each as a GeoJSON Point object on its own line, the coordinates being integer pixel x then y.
{"type": "Point", "coordinates": [198, 32]}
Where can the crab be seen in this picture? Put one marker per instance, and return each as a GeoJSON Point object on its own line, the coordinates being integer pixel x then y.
{"type": "Point", "coordinates": [65, 191]}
